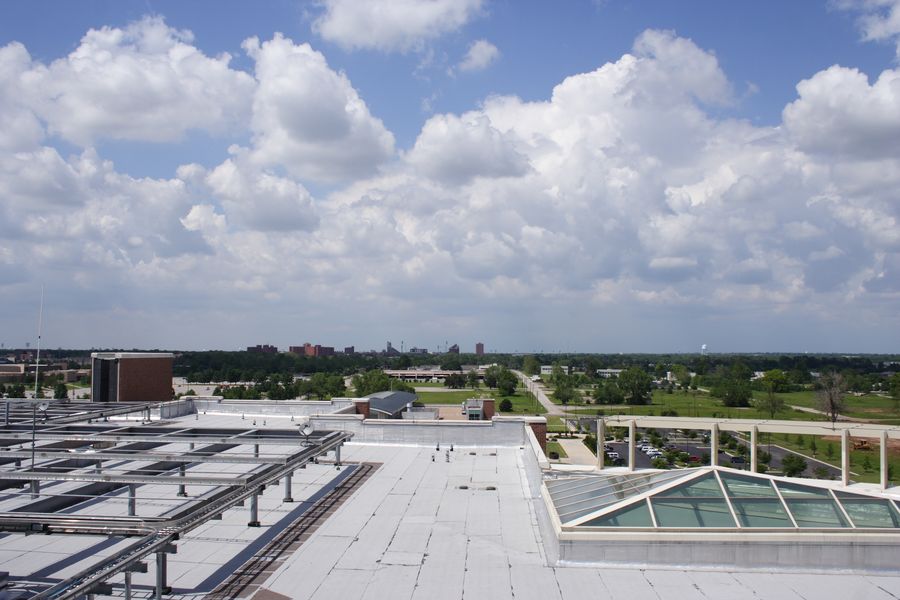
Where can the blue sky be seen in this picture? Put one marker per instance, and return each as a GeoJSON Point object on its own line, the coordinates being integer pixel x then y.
{"type": "Point", "coordinates": [596, 176]}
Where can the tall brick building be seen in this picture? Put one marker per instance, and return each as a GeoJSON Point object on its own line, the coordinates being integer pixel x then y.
{"type": "Point", "coordinates": [131, 376]}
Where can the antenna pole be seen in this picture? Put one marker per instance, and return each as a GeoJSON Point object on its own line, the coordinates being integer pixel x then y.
{"type": "Point", "coordinates": [37, 366]}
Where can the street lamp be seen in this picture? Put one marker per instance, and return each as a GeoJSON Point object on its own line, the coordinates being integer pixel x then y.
{"type": "Point", "coordinates": [43, 406]}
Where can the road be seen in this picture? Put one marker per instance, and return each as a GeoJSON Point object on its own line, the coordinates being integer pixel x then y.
{"type": "Point", "coordinates": [538, 390]}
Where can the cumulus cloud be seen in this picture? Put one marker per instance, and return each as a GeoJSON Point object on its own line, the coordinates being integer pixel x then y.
{"type": "Point", "coordinates": [878, 20]}
{"type": "Point", "coordinates": [143, 82]}
{"type": "Point", "coordinates": [309, 118]}
{"type": "Point", "coordinates": [623, 193]}
{"type": "Point", "coordinates": [480, 56]}
{"type": "Point", "coordinates": [455, 150]}
{"type": "Point", "coordinates": [839, 112]}
{"type": "Point", "coordinates": [391, 25]}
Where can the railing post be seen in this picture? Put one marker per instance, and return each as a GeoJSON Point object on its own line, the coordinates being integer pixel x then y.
{"type": "Point", "coordinates": [754, 454]}
{"type": "Point", "coordinates": [35, 488]}
{"type": "Point", "coordinates": [883, 450]}
{"type": "Point", "coordinates": [632, 443]}
{"type": "Point", "coordinates": [714, 445]}
{"type": "Point", "coordinates": [845, 457]}
{"type": "Point", "coordinates": [337, 455]}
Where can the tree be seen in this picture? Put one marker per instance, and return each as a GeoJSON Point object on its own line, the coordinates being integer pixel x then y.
{"type": "Point", "coordinates": [812, 446]}
{"type": "Point", "coordinates": [682, 375]}
{"type": "Point", "coordinates": [506, 405]}
{"type": "Point", "coordinates": [793, 465]}
{"type": "Point", "coordinates": [636, 383]}
{"type": "Point", "coordinates": [490, 376]}
{"type": "Point", "coordinates": [565, 393]}
{"type": "Point", "coordinates": [831, 395]}
{"type": "Point", "coordinates": [895, 390]}
{"type": "Point", "coordinates": [506, 382]}
{"type": "Point", "coordinates": [530, 365]}
{"type": "Point", "coordinates": [376, 380]}
{"type": "Point", "coordinates": [455, 381]}
{"type": "Point", "coordinates": [608, 392]}
{"type": "Point", "coordinates": [451, 362]}
{"type": "Point", "coordinates": [773, 382]}
{"type": "Point", "coordinates": [60, 392]}
{"type": "Point", "coordinates": [472, 379]}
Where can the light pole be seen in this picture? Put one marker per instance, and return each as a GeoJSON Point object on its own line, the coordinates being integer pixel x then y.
{"type": "Point", "coordinates": [43, 406]}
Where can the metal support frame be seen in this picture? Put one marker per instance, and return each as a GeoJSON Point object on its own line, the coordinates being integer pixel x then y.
{"type": "Point", "coordinates": [132, 499]}
{"type": "Point", "coordinates": [127, 585]}
{"type": "Point", "coordinates": [754, 452]}
{"type": "Point", "coordinates": [161, 569]}
{"type": "Point", "coordinates": [601, 437]}
{"type": "Point", "coordinates": [254, 510]}
{"type": "Point", "coordinates": [883, 451]}
{"type": "Point", "coordinates": [337, 455]}
{"type": "Point", "coordinates": [287, 487]}
{"type": "Point", "coordinates": [182, 489]}
{"type": "Point", "coordinates": [35, 488]}
{"type": "Point", "coordinates": [632, 443]}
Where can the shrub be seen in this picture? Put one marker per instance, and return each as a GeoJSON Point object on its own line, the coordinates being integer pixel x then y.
{"type": "Point", "coordinates": [506, 405]}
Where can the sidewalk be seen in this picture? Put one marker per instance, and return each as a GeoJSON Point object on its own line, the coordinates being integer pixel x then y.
{"type": "Point", "coordinates": [577, 451]}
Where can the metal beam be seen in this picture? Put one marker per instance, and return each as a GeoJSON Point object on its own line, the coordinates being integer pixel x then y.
{"type": "Point", "coordinates": [244, 459]}
{"type": "Point", "coordinates": [160, 479]}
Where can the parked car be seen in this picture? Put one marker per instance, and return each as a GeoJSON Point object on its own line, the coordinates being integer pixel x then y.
{"type": "Point", "coordinates": [613, 455]}
{"type": "Point", "coordinates": [738, 460]}
{"type": "Point", "coordinates": [693, 459]}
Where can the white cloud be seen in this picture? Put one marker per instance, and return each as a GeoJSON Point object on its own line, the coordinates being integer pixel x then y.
{"type": "Point", "coordinates": [622, 191]}
{"type": "Point", "coordinates": [391, 25]}
{"type": "Point", "coordinates": [879, 20]}
{"type": "Point", "coordinates": [839, 112]}
{"type": "Point", "coordinates": [455, 150]}
{"type": "Point", "coordinates": [144, 82]}
{"type": "Point", "coordinates": [480, 56]}
{"type": "Point", "coordinates": [309, 118]}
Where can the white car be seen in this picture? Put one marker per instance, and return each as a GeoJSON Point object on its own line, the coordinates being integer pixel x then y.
{"type": "Point", "coordinates": [612, 455]}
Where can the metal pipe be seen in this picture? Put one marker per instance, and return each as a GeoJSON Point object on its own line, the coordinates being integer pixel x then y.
{"type": "Point", "coordinates": [254, 510]}
{"type": "Point", "coordinates": [35, 488]}
{"type": "Point", "coordinates": [127, 585]}
{"type": "Point", "coordinates": [160, 574]}
{"type": "Point", "coordinates": [287, 487]}
{"type": "Point", "coordinates": [337, 455]}
{"type": "Point", "coordinates": [884, 460]}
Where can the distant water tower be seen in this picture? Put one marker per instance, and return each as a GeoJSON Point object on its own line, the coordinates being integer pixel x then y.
{"type": "Point", "coordinates": [703, 350]}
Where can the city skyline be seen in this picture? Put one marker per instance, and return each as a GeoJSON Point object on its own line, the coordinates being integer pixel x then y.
{"type": "Point", "coordinates": [585, 177]}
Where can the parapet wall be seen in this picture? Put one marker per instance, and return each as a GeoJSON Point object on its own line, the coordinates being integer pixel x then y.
{"type": "Point", "coordinates": [282, 408]}
{"type": "Point", "coordinates": [501, 431]}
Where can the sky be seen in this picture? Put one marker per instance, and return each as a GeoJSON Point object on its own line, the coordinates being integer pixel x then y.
{"type": "Point", "coordinates": [572, 176]}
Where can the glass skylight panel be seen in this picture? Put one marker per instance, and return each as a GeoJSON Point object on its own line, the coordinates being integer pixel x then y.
{"type": "Point", "coordinates": [795, 490]}
{"type": "Point", "coordinates": [637, 515]}
{"type": "Point", "coordinates": [705, 486]}
{"type": "Point", "coordinates": [815, 512]}
{"type": "Point", "coordinates": [740, 486]}
{"type": "Point", "coordinates": [761, 512]}
{"type": "Point", "coordinates": [869, 512]}
{"type": "Point", "coordinates": [692, 512]}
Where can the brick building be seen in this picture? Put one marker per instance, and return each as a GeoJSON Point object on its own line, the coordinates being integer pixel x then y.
{"type": "Point", "coordinates": [479, 349]}
{"type": "Point", "coordinates": [131, 376]}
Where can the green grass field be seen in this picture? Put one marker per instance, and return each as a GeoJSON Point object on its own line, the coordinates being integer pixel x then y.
{"type": "Point", "coordinates": [521, 402]}
{"type": "Point", "coordinates": [556, 447]}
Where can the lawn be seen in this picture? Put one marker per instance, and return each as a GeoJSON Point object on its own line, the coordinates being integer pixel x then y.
{"type": "Point", "coordinates": [869, 407]}
{"type": "Point", "coordinates": [800, 445]}
{"type": "Point", "coordinates": [522, 403]}
{"type": "Point", "coordinates": [556, 447]}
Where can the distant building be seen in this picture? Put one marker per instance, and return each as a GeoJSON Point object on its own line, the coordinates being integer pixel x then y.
{"type": "Point", "coordinates": [548, 369]}
{"type": "Point", "coordinates": [263, 348]}
{"type": "Point", "coordinates": [315, 350]}
{"type": "Point", "coordinates": [479, 349]}
{"type": "Point", "coordinates": [295, 349]}
{"type": "Point", "coordinates": [349, 350]}
{"type": "Point", "coordinates": [131, 376]}
{"type": "Point", "coordinates": [608, 373]}
{"type": "Point", "coordinates": [454, 349]}
{"type": "Point", "coordinates": [415, 350]}
{"type": "Point", "coordinates": [390, 350]}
